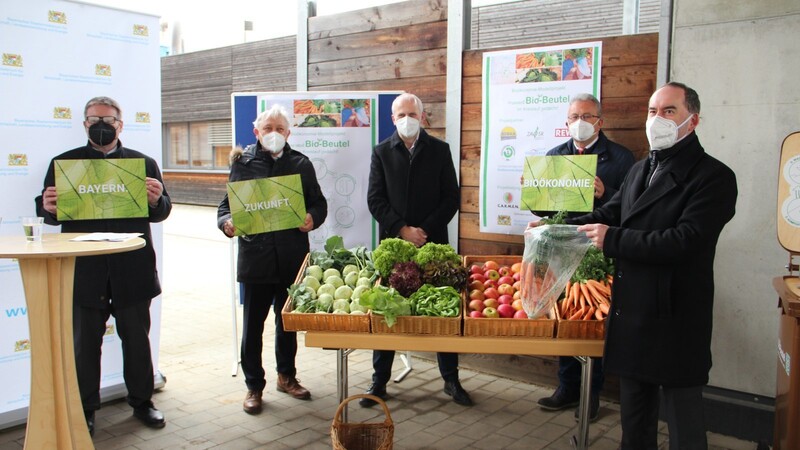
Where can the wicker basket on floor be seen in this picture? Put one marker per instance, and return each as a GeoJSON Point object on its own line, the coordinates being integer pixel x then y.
{"type": "Point", "coordinates": [362, 436]}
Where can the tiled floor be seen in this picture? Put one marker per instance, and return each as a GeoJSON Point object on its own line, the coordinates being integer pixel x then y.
{"type": "Point", "coordinates": [202, 402]}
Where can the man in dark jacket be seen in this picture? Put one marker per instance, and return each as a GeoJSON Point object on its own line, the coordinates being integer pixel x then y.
{"type": "Point", "coordinates": [413, 193]}
{"type": "Point", "coordinates": [662, 230]}
{"type": "Point", "coordinates": [268, 262]}
{"type": "Point", "coordinates": [584, 120]}
{"type": "Point", "coordinates": [122, 284]}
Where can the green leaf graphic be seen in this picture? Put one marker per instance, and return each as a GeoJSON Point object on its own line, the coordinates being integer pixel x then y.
{"type": "Point", "coordinates": [267, 204]}
{"type": "Point", "coordinates": [101, 189]}
{"type": "Point", "coordinates": [558, 183]}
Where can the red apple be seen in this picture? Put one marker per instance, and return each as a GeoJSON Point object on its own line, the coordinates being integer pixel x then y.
{"type": "Point", "coordinates": [475, 269]}
{"type": "Point", "coordinates": [475, 284]}
{"type": "Point", "coordinates": [476, 314]}
{"type": "Point", "coordinates": [492, 274]}
{"type": "Point", "coordinates": [490, 303]}
{"type": "Point", "coordinates": [505, 299]}
{"type": "Point", "coordinates": [517, 304]}
{"type": "Point", "coordinates": [491, 313]}
{"type": "Point", "coordinates": [520, 314]}
{"type": "Point", "coordinates": [505, 280]}
{"type": "Point", "coordinates": [476, 305]}
{"type": "Point", "coordinates": [491, 293]}
{"type": "Point", "coordinates": [516, 267]}
{"type": "Point", "coordinates": [489, 284]}
{"type": "Point", "coordinates": [505, 289]}
{"type": "Point", "coordinates": [491, 265]}
{"type": "Point", "coordinates": [517, 276]}
{"type": "Point", "coordinates": [477, 276]}
{"type": "Point", "coordinates": [506, 311]}
{"type": "Point", "coordinates": [476, 295]}
{"type": "Point", "coordinates": [504, 270]}
{"type": "Point", "coordinates": [517, 286]}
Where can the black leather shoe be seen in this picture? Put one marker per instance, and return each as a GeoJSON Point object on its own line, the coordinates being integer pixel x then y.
{"type": "Point", "coordinates": [594, 408]}
{"type": "Point", "coordinates": [378, 390]}
{"type": "Point", "coordinates": [149, 415]}
{"type": "Point", "coordinates": [89, 421]}
{"type": "Point", "coordinates": [460, 396]}
{"type": "Point", "coordinates": [560, 399]}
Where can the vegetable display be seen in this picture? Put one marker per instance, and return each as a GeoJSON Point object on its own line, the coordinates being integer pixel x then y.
{"type": "Point", "coordinates": [442, 301]}
{"type": "Point", "coordinates": [390, 252]}
{"type": "Point", "coordinates": [587, 295]}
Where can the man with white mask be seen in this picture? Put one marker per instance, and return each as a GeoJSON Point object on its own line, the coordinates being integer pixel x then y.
{"type": "Point", "coordinates": [584, 121]}
{"type": "Point", "coordinates": [662, 231]}
{"type": "Point", "coordinates": [413, 194]}
{"type": "Point", "coordinates": [268, 262]}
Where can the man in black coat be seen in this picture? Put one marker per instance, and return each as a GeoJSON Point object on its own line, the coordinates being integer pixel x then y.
{"type": "Point", "coordinates": [122, 284]}
{"type": "Point", "coordinates": [413, 194]}
{"type": "Point", "coordinates": [268, 262]}
{"type": "Point", "coordinates": [662, 229]}
{"type": "Point", "coordinates": [584, 120]}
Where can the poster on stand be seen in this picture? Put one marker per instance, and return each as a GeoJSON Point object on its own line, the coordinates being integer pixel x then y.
{"type": "Point", "coordinates": [526, 95]}
{"type": "Point", "coordinates": [56, 55]}
{"type": "Point", "coordinates": [336, 131]}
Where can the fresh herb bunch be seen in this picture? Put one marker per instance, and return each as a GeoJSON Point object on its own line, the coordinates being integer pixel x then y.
{"type": "Point", "coordinates": [436, 252]}
{"type": "Point", "coordinates": [594, 266]}
{"type": "Point", "coordinates": [558, 219]}
{"type": "Point", "coordinates": [406, 277]}
{"type": "Point", "coordinates": [390, 252]}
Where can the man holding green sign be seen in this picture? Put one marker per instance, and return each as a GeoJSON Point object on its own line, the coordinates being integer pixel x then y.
{"type": "Point", "coordinates": [273, 201]}
{"type": "Point", "coordinates": [122, 284]}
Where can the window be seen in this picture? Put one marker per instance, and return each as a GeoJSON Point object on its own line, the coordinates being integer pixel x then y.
{"type": "Point", "coordinates": [198, 145]}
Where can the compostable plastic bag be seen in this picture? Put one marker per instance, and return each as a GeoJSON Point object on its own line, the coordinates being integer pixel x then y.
{"type": "Point", "coordinates": [552, 253]}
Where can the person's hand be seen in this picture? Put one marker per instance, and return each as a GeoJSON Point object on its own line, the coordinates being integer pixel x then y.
{"type": "Point", "coordinates": [228, 228]}
{"type": "Point", "coordinates": [596, 232]}
{"type": "Point", "coordinates": [154, 190]}
{"type": "Point", "coordinates": [308, 225]}
{"type": "Point", "coordinates": [599, 187]}
{"type": "Point", "coordinates": [49, 197]}
{"type": "Point", "coordinates": [415, 235]}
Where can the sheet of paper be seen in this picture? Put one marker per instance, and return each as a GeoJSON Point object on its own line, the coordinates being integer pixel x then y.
{"type": "Point", "coordinates": [111, 237]}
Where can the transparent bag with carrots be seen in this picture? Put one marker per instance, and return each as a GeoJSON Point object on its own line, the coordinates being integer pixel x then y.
{"type": "Point", "coordinates": [551, 255]}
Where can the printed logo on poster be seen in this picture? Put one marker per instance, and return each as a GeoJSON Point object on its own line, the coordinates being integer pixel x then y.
{"type": "Point", "coordinates": [536, 135]}
{"type": "Point", "coordinates": [142, 117]}
{"type": "Point", "coordinates": [561, 133]}
{"type": "Point", "coordinates": [110, 330]}
{"type": "Point", "coordinates": [140, 30]}
{"type": "Point", "coordinates": [17, 159]}
{"type": "Point", "coordinates": [103, 70]}
{"type": "Point", "coordinates": [22, 345]}
{"type": "Point", "coordinates": [57, 17]}
{"type": "Point", "coordinates": [507, 152]}
{"type": "Point", "coordinates": [508, 133]}
{"type": "Point", "coordinates": [12, 60]}
{"type": "Point", "coordinates": [507, 201]}
{"type": "Point", "coordinates": [504, 220]}
{"type": "Point", "coordinates": [62, 112]}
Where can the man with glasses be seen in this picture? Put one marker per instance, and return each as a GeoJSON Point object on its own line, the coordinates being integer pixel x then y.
{"type": "Point", "coordinates": [121, 284]}
{"type": "Point", "coordinates": [584, 120]}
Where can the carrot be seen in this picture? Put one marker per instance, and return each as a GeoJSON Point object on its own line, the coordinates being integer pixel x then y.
{"type": "Point", "coordinates": [589, 314]}
{"type": "Point", "coordinates": [597, 296]}
{"type": "Point", "coordinates": [577, 315]}
{"type": "Point", "coordinates": [598, 287]}
{"type": "Point", "coordinates": [598, 314]}
{"type": "Point", "coordinates": [603, 307]}
{"type": "Point", "coordinates": [585, 291]}
{"type": "Point", "coordinates": [574, 295]}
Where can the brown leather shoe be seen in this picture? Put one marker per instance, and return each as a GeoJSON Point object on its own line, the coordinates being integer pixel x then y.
{"type": "Point", "coordinates": [291, 386]}
{"type": "Point", "coordinates": [252, 403]}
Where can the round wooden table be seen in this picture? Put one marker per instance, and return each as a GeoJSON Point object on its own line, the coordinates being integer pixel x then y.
{"type": "Point", "coordinates": [55, 414]}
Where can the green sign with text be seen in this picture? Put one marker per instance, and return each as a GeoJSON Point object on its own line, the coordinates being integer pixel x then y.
{"type": "Point", "coordinates": [558, 183]}
{"type": "Point", "coordinates": [267, 204]}
{"type": "Point", "coordinates": [100, 188]}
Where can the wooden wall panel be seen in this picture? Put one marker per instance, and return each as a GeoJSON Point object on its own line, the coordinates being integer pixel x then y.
{"type": "Point", "coordinates": [399, 14]}
{"type": "Point", "coordinates": [425, 63]}
{"type": "Point", "coordinates": [411, 38]}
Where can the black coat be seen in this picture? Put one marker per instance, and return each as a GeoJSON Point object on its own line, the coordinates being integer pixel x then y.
{"type": "Point", "coordinates": [664, 240]}
{"type": "Point", "coordinates": [418, 189]}
{"type": "Point", "coordinates": [274, 257]}
{"type": "Point", "coordinates": [133, 275]}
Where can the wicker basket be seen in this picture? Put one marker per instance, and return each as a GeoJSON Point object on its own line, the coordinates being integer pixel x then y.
{"type": "Point", "coordinates": [320, 321]}
{"type": "Point", "coordinates": [362, 436]}
{"type": "Point", "coordinates": [425, 325]}
{"type": "Point", "coordinates": [535, 328]}
{"type": "Point", "coordinates": [579, 329]}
